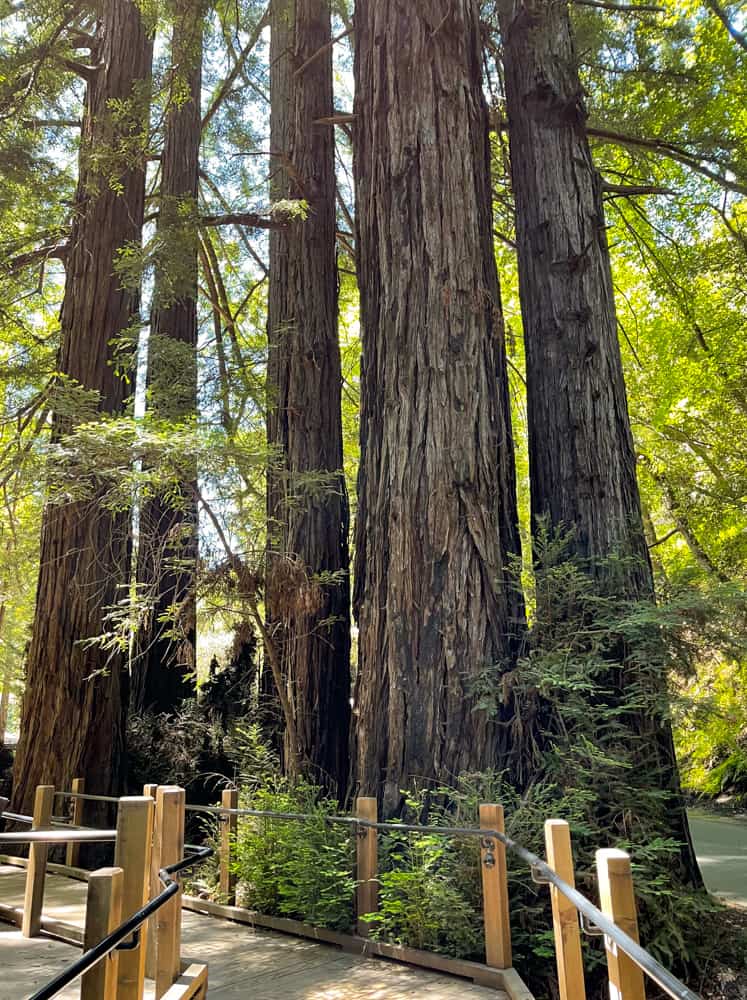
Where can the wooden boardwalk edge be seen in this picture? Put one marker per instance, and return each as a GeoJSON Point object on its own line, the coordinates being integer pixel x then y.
{"type": "Point", "coordinates": [507, 980]}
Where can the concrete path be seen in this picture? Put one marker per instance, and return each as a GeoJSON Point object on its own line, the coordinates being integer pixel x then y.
{"type": "Point", "coordinates": [721, 847]}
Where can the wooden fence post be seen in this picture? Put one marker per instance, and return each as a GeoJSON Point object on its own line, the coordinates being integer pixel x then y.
{"type": "Point", "coordinates": [37, 866]}
{"type": "Point", "coordinates": [169, 847]}
{"type": "Point", "coordinates": [149, 930]}
{"type": "Point", "coordinates": [495, 890]}
{"type": "Point", "coordinates": [367, 855]}
{"type": "Point", "coordinates": [103, 914]}
{"type": "Point", "coordinates": [228, 827]}
{"type": "Point", "coordinates": [133, 854]}
{"type": "Point", "coordinates": [564, 914]}
{"type": "Point", "coordinates": [72, 852]}
{"type": "Point", "coordinates": [617, 901]}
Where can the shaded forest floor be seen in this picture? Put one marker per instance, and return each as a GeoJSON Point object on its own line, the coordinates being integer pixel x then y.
{"type": "Point", "coordinates": [720, 982]}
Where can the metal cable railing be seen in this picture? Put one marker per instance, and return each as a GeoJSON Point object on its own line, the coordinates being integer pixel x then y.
{"type": "Point", "coordinates": [540, 870]}
{"type": "Point", "coordinates": [128, 927]}
{"type": "Point", "coordinates": [592, 918]}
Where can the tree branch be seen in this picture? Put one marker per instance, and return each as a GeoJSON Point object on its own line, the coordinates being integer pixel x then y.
{"type": "Point", "coordinates": [630, 190]}
{"type": "Point", "coordinates": [251, 219]}
{"type": "Point", "coordinates": [319, 52]}
{"type": "Point", "coordinates": [739, 36]}
{"type": "Point", "coordinates": [622, 8]}
{"type": "Point", "coordinates": [670, 150]}
{"type": "Point", "coordinates": [228, 83]}
{"type": "Point", "coordinates": [53, 251]}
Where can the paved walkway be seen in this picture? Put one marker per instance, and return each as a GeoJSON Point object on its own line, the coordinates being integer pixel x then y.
{"type": "Point", "coordinates": [721, 847]}
{"type": "Point", "coordinates": [243, 962]}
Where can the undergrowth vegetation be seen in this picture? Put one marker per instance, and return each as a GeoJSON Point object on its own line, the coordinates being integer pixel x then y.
{"type": "Point", "coordinates": [591, 663]}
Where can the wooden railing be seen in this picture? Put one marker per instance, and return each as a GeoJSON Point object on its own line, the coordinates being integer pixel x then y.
{"type": "Point", "coordinates": [148, 845]}
{"type": "Point", "coordinates": [628, 964]}
{"type": "Point", "coordinates": [572, 913]}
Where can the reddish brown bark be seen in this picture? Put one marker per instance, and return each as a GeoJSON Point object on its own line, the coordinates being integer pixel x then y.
{"type": "Point", "coordinates": [581, 455]}
{"type": "Point", "coordinates": [307, 499]}
{"type": "Point", "coordinates": [72, 721]}
{"type": "Point", "coordinates": [437, 506]}
{"type": "Point", "coordinates": [163, 669]}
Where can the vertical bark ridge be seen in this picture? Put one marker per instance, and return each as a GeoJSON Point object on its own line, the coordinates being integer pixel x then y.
{"type": "Point", "coordinates": [73, 706]}
{"type": "Point", "coordinates": [307, 499]}
{"type": "Point", "coordinates": [437, 504]}
{"type": "Point", "coordinates": [582, 459]}
{"type": "Point", "coordinates": [163, 670]}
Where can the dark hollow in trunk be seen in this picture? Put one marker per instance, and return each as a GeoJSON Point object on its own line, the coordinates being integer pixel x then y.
{"type": "Point", "coordinates": [163, 669]}
{"type": "Point", "coordinates": [307, 499]}
{"type": "Point", "coordinates": [581, 455]}
{"type": "Point", "coordinates": [437, 504]}
{"type": "Point", "coordinates": [73, 706]}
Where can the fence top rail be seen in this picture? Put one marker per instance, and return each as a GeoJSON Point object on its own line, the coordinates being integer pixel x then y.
{"type": "Point", "coordinates": [672, 986]}
{"type": "Point", "coordinates": [88, 796]}
{"type": "Point", "coordinates": [60, 837]}
{"type": "Point", "coordinates": [58, 821]}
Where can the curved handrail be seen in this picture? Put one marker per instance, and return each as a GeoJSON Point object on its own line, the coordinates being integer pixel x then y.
{"type": "Point", "coordinates": [108, 944]}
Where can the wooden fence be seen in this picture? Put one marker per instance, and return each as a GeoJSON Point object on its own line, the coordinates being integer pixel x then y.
{"type": "Point", "coordinates": [149, 836]}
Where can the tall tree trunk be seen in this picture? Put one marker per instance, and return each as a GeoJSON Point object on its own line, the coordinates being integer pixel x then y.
{"type": "Point", "coordinates": [581, 456]}
{"type": "Point", "coordinates": [164, 665]}
{"type": "Point", "coordinates": [4, 686]}
{"type": "Point", "coordinates": [307, 499]}
{"type": "Point", "coordinates": [437, 505]}
{"type": "Point", "coordinates": [72, 719]}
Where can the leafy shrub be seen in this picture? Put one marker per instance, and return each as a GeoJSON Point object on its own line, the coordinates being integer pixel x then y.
{"type": "Point", "coordinates": [302, 869]}
{"type": "Point", "coordinates": [427, 890]}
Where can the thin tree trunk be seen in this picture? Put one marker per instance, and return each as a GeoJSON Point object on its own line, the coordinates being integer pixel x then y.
{"type": "Point", "coordinates": [72, 719]}
{"type": "Point", "coordinates": [581, 456]}
{"type": "Point", "coordinates": [437, 505]}
{"type": "Point", "coordinates": [307, 499]}
{"type": "Point", "coordinates": [163, 669]}
{"type": "Point", "coordinates": [4, 687]}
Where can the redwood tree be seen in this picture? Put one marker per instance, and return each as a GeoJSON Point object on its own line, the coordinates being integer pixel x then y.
{"type": "Point", "coordinates": [163, 669]}
{"type": "Point", "coordinates": [308, 587]}
{"type": "Point", "coordinates": [437, 509]}
{"type": "Point", "coordinates": [72, 716]}
{"type": "Point", "coordinates": [581, 455]}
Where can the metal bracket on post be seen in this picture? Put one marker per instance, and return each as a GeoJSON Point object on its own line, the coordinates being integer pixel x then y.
{"type": "Point", "coordinates": [488, 845]}
{"type": "Point", "coordinates": [538, 876]}
{"type": "Point", "coordinates": [132, 944]}
{"type": "Point", "coordinates": [588, 927]}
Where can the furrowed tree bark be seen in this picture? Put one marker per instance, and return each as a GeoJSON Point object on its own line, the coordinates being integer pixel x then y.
{"type": "Point", "coordinates": [72, 720]}
{"type": "Point", "coordinates": [307, 500]}
{"type": "Point", "coordinates": [163, 669]}
{"type": "Point", "coordinates": [437, 507]}
{"type": "Point", "coordinates": [581, 455]}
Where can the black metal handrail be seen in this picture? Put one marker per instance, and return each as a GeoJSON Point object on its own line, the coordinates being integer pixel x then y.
{"type": "Point", "coordinates": [128, 927]}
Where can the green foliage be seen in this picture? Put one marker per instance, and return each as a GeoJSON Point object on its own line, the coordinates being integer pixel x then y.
{"type": "Point", "coordinates": [298, 869]}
